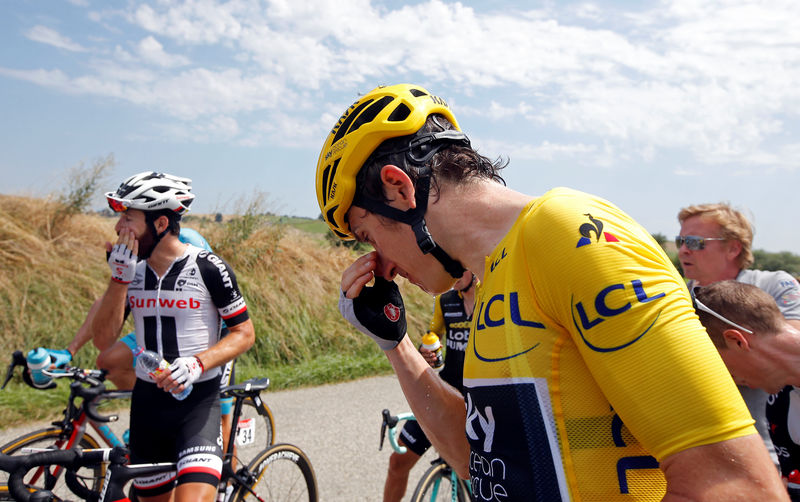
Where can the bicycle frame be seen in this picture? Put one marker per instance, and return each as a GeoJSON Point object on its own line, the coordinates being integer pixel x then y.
{"type": "Point", "coordinates": [73, 425]}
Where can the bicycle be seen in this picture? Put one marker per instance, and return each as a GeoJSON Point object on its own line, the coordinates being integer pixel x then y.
{"type": "Point", "coordinates": [255, 421]}
{"type": "Point", "coordinates": [247, 483]}
{"type": "Point", "coordinates": [439, 482]}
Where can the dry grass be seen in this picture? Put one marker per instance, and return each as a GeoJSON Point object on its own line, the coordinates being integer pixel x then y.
{"type": "Point", "coordinates": [52, 266]}
{"type": "Point", "coordinates": [50, 270]}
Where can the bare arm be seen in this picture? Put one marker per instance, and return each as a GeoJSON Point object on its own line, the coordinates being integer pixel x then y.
{"type": "Point", "coordinates": [735, 470]}
{"type": "Point", "coordinates": [107, 322]}
{"type": "Point", "coordinates": [110, 315]}
{"type": "Point", "coordinates": [240, 338]}
{"type": "Point", "coordinates": [438, 407]}
{"type": "Point", "coordinates": [84, 333]}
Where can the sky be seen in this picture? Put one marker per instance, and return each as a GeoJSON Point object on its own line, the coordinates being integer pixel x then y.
{"type": "Point", "coordinates": [654, 105]}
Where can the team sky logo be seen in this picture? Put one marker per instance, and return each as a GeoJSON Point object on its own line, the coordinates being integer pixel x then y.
{"type": "Point", "coordinates": [595, 227]}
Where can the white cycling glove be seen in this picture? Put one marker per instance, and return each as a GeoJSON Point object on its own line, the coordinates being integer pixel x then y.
{"type": "Point", "coordinates": [378, 312]}
{"type": "Point", "coordinates": [186, 370]}
{"type": "Point", "coordinates": [123, 264]}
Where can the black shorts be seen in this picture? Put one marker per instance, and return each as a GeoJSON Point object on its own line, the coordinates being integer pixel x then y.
{"type": "Point", "coordinates": [414, 439]}
{"type": "Point", "coordinates": [164, 429]}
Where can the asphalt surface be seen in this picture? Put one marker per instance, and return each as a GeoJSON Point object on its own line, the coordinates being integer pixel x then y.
{"type": "Point", "coordinates": [338, 427]}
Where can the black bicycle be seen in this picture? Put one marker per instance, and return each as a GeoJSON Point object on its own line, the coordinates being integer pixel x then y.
{"type": "Point", "coordinates": [283, 469]}
{"type": "Point", "coordinates": [281, 472]}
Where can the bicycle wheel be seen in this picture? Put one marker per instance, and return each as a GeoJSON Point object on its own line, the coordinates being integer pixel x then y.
{"type": "Point", "coordinates": [280, 473]}
{"type": "Point", "coordinates": [255, 431]}
{"type": "Point", "coordinates": [51, 478]}
{"type": "Point", "coordinates": [440, 483]}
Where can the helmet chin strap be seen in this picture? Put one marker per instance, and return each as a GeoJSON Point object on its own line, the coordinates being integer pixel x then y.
{"type": "Point", "coordinates": [416, 219]}
{"type": "Point", "coordinates": [420, 150]}
{"type": "Point", "coordinates": [468, 286]}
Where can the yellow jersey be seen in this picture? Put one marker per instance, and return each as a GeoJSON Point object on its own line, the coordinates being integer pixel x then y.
{"type": "Point", "coordinates": [586, 362]}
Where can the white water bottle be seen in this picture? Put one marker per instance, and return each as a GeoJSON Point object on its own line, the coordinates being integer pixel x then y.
{"type": "Point", "coordinates": [153, 364]}
{"type": "Point", "coordinates": [431, 342]}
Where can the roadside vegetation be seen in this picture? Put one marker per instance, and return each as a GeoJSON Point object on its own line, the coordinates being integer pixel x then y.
{"type": "Point", "coordinates": [53, 266]}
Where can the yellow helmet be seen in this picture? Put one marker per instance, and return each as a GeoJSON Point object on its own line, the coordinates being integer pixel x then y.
{"type": "Point", "coordinates": [383, 113]}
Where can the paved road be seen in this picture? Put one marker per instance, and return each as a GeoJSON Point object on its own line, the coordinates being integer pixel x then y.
{"type": "Point", "coordinates": [338, 426]}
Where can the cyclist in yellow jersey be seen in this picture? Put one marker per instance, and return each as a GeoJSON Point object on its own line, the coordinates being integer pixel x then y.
{"type": "Point", "coordinates": [587, 375]}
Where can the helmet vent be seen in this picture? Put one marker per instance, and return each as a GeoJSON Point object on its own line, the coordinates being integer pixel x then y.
{"type": "Point", "coordinates": [400, 113]}
{"type": "Point", "coordinates": [343, 129]}
{"type": "Point", "coordinates": [327, 179]}
{"type": "Point", "coordinates": [369, 114]}
{"type": "Point", "coordinates": [329, 215]}
{"type": "Point", "coordinates": [417, 93]}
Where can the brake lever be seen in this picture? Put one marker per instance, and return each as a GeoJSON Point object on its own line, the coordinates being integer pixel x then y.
{"type": "Point", "coordinates": [386, 419]}
{"type": "Point", "coordinates": [17, 359]}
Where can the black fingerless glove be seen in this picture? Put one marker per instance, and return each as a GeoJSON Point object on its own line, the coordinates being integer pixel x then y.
{"type": "Point", "coordinates": [378, 312]}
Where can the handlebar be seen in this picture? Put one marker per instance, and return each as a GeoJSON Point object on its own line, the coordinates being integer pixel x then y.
{"type": "Point", "coordinates": [87, 384]}
{"type": "Point", "coordinates": [390, 422]}
{"type": "Point", "coordinates": [17, 466]}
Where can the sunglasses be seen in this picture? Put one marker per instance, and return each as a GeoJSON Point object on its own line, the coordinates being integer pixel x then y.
{"type": "Point", "coordinates": [694, 242]}
{"type": "Point", "coordinates": [701, 306]}
{"type": "Point", "coordinates": [117, 205]}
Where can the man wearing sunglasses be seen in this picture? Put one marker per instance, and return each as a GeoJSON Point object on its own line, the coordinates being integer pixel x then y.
{"type": "Point", "coordinates": [715, 245]}
{"type": "Point", "coordinates": [761, 350]}
{"type": "Point", "coordinates": [178, 295]}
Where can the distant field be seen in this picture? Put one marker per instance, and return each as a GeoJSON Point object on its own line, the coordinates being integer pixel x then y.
{"type": "Point", "coordinates": [310, 225]}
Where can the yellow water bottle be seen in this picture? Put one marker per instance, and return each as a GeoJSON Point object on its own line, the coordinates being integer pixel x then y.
{"type": "Point", "coordinates": [431, 342]}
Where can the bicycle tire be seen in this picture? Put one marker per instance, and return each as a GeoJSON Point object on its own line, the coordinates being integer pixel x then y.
{"type": "Point", "coordinates": [49, 438]}
{"type": "Point", "coordinates": [255, 431]}
{"type": "Point", "coordinates": [437, 485]}
{"type": "Point", "coordinates": [280, 473]}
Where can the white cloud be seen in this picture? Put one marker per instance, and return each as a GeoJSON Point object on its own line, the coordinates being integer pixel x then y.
{"type": "Point", "coordinates": [45, 78]}
{"type": "Point", "coordinates": [151, 51]}
{"type": "Point", "coordinates": [49, 36]}
{"type": "Point", "coordinates": [216, 129]}
{"type": "Point", "coordinates": [716, 78]}
{"type": "Point", "coordinates": [544, 151]}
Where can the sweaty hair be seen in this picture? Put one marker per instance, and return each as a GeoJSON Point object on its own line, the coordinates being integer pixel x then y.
{"type": "Point", "coordinates": [744, 304]}
{"type": "Point", "coordinates": [734, 225]}
{"type": "Point", "coordinates": [454, 163]}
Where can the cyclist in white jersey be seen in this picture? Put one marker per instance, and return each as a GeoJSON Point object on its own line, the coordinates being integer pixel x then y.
{"type": "Point", "coordinates": [178, 295]}
{"type": "Point", "coordinates": [117, 359]}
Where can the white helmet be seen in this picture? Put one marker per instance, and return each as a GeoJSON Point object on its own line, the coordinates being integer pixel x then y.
{"type": "Point", "coordinates": [151, 191]}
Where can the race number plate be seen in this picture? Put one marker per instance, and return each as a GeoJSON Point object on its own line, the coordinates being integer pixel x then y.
{"type": "Point", "coordinates": [246, 432]}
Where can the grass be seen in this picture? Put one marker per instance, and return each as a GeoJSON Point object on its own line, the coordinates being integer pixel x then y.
{"type": "Point", "coordinates": [52, 267]}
